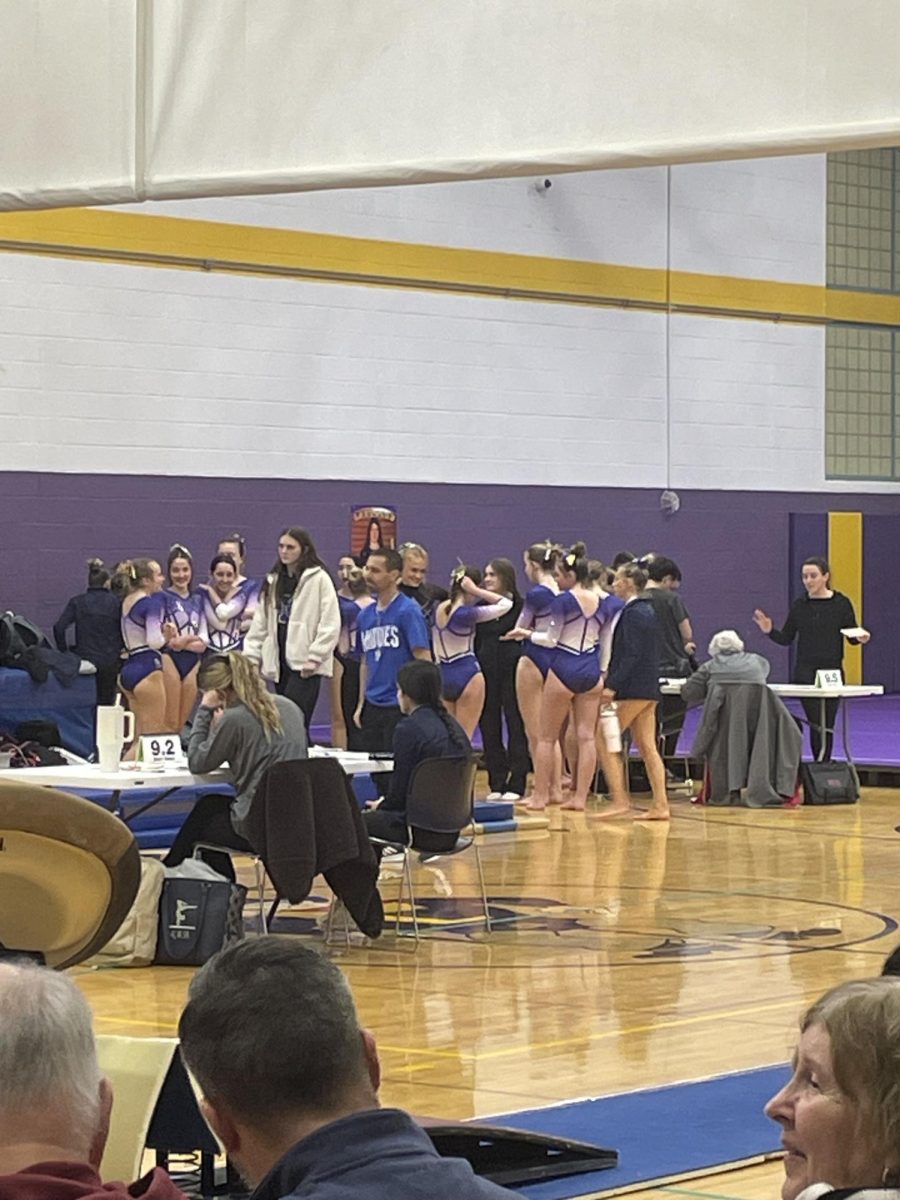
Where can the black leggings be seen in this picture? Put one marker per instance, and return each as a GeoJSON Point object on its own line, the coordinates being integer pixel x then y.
{"type": "Point", "coordinates": [813, 710]}
{"type": "Point", "coordinates": [208, 821]}
{"type": "Point", "coordinates": [302, 690]}
{"type": "Point", "coordinates": [507, 766]}
{"type": "Point", "coordinates": [390, 826]}
{"type": "Point", "coordinates": [107, 683]}
{"type": "Point", "coordinates": [349, 701]}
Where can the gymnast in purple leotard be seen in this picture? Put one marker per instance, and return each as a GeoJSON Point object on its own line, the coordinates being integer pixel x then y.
{"type": "Point", "coordinates": [185, 627]}
{"type": "Point", "coordinates": [246, 598]}
{"type": "Point", "coordinates": [453, 643]}
{"type": "Point", "coordinates": [141, 676]}
{"type": "Point", "coordinates": [572, 637]}
{"type": "Point", "coordinates": [224, 606]}
{"type": "Point", "coordinates": [540, 560]}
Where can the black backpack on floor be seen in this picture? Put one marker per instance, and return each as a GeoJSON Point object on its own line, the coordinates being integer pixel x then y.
{"type": "Point", "coordinates": [828, 783]}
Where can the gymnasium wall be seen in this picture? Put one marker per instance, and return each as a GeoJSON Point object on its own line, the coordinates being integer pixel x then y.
{"type": "Point", "coordinates": [470, 350]}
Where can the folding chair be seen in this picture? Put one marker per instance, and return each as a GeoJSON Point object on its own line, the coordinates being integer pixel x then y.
{"type": "Point", "coordinates": [441, 800]}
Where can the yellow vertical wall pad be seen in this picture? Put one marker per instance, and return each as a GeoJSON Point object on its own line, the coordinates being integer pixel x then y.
{"type": "Point", "coordinates": [182, 243]}
{"type": "Point", "coordinates": [845, 555]}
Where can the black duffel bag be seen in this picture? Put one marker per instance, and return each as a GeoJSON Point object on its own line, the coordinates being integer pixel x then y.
{"type": "Point", "coordinates": [197, 919]}
{"type": "Point", "coordinates": [828, 783]}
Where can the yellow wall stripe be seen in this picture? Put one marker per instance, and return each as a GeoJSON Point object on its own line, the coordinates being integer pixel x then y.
{"type": "Point", "coordinates": [189, 244]}
{"type": "Point", "coordinates": [845, 554]}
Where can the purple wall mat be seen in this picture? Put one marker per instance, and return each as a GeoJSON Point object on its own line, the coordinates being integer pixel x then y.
{"type": "Point", "coordinates": [733, 547]}
{"type": "Point", "coordinates": [881, 588]}
{"type": "Point", "coordinates": [808, 536]}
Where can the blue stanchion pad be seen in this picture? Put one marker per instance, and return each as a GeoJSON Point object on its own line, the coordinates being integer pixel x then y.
{"type": "Point", "coordinates": [494, 810]}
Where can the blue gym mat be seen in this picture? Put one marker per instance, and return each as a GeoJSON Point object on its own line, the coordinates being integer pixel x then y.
{"type": "Point", "coordinates": [661, 1133]}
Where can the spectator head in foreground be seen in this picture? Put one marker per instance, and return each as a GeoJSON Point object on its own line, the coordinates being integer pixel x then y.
{"type": "Point", "coordinates": [840, 1111]}
{"type": "Point", "coordinates": [271, 1034]}
{"type": "Point", "coordinates": [290, 1084]}
{"type": "Point", "coordinates": [54, 1102]}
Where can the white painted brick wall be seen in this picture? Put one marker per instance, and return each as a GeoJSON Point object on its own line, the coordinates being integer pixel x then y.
{"type": "Point", "coordinates": [746, 405]}
{"type": "Point", "coordinates": [177, 372]}
{"type": "Point", "coordinates": [762, 218]}
{"type": "Point", "coordinates": [600, 216]}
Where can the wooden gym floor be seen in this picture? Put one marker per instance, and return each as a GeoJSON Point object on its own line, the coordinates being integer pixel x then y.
{"type": "Point", "coordinates": [625, 955]}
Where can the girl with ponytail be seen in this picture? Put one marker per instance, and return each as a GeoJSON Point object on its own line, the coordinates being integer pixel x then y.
{"type": "Point", "coordinates": [633, 683]}
{"type": "Point", "coordinates": [540, 561]}
{"type": "Point", "coordinates": [427, 730]}
{"type": "Point", "coordinates": [141, 676]}
{"type": "Point", "coordinates": [453, 642]}
{"type": "Point", "coordinates": [241, 725]}
{"type": "Point", "coordinates": [98, 636]}
{"type": "Point", "coordinates": [572, 641]}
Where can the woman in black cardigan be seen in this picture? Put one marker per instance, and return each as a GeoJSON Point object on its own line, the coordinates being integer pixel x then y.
{"type": "Point", "coordinates": [507, 765]}
{"type": "Point", "coordinates": [633, 683]}
{"type": "Point", "coordinates": [816, 621]}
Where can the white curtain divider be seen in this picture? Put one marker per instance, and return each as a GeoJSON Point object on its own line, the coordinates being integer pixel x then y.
{"type": "Point", "coordinates": [255, 96]}
{"type": "Point", "coordinates": [68, 77]}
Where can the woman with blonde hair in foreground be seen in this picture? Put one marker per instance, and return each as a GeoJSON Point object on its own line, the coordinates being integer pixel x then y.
{"type": "Point", "coordinates": [840, 1110]}
{"type": "Point", "coordinates": [238, 723]}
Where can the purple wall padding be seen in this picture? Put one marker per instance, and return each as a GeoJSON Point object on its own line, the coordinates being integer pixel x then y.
{"type": "Point", "coordinates": [881, 589]}
{"type": "Point", "coordinates": [808, 537]}
{"type": "Point", "coordinates": [733, 547]}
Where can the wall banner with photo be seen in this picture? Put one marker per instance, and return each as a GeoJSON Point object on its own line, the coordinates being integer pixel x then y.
{"type": "Point", "coordinates": [372, 527]}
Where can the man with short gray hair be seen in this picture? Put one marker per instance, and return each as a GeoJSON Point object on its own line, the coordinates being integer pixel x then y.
{"type": "Point", "coordinates": [290, 1084]}
{"type": "Point", "coordinates": [54, 1101]}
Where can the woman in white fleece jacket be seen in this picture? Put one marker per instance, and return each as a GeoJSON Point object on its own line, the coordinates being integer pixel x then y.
{"type": "Point", "coordinates": [297, 623]}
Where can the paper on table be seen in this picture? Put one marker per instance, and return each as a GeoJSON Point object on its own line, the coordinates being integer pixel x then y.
{"type": "Point", "coordinates": [856, 631]}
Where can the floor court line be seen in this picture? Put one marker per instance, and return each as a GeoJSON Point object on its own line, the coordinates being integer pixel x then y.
{"type": "Point", "coordinates": [677, 1023]}
{"type": "Point", "coordinates": [677, 1191]}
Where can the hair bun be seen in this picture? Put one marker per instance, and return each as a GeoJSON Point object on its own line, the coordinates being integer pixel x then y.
{"type": "Point", "coordinates": [579, 549]}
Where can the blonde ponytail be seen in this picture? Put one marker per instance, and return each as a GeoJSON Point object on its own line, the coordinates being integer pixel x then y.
{"type": "Point", "coordinates": [234, 671]}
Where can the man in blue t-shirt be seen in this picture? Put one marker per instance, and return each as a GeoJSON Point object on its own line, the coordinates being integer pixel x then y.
{"type": "Point", "coordinates": [390, 632]}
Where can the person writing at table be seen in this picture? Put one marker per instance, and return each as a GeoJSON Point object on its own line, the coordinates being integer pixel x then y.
{"type": "Point", "coordinates": [816, 621]}
{"type": "Point", "coordinates": [426, 730]}
{"type": "Point", "coordinates": [238, 724]}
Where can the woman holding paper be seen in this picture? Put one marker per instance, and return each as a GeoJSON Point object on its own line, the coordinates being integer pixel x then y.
{"type": "Point", "coordinates": [819, 621]}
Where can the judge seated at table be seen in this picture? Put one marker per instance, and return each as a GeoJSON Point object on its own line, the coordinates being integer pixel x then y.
{"type": "Point", "coordinates": [729, 662]}
{"type": "Point", "coordinates": [747, 739]}
{"type": "Point", "coordinates": [241, 725]}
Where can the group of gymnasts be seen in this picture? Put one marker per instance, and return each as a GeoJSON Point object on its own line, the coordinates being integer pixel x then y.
{"type": "Point", "coordinates": [146, 630]}
{"type": "Point", "coordinates": [556, 675]}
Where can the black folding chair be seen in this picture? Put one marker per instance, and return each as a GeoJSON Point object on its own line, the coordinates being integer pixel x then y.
{"type": "Point", "coordinates": [441, 800]}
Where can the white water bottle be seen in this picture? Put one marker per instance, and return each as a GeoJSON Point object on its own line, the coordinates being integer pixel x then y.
{"type": "Point", "coordinates": [115, 727]}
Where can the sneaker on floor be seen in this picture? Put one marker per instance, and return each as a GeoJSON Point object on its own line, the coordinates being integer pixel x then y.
{"type": "Point", "coordinates": [513, 796]}
{"type": "Point", "coordinates": [494, 796]}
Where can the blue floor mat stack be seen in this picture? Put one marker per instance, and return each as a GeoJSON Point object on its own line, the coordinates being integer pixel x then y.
{"type": "Point", "coordinates": [661, 1133]}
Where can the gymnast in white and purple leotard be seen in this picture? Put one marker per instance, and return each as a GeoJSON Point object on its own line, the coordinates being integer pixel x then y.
{"type": "Point", "coordinates": [539, 560]}
{"type": "Point", "coordinates": [185, 625]}
{"type": "Point", "coordinates": [453, 643]}
{"type": "Point", "coordinates": [246, 598]}
{"type": "Point", "coordinates": [224, 606]}
{"type": "Point", "coordinates": [141, 676]}
{"type": "Point", "coordinates": [572, 638]}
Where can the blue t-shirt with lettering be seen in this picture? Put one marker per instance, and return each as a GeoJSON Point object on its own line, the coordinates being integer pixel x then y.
{"type": "Point", "coordinates": [387, 637]}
